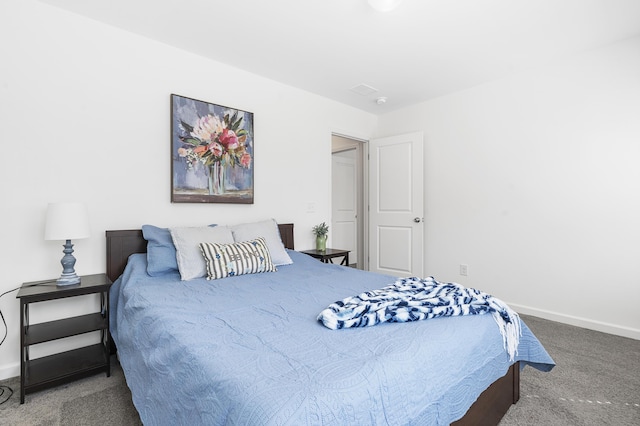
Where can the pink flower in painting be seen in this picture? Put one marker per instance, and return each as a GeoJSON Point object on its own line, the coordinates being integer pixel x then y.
{"type": "Point", "coordinates": [216, 140]}
{"type": "Point", "coordinates": [229, 139]}
{"type": "Point", "coordinates": [245, 160]}
{"type": "Point", "coordinates": [215, 148]}
{"type": "Point", "coordinates": [207, 128]}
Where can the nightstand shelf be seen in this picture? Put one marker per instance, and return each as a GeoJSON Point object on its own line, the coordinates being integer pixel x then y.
{"type": "Point", "coordinates": [53, 330]}
{"type": "Point", "coordinates": [63, 367]}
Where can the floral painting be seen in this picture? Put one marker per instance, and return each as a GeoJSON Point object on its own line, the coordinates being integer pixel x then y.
{"type": "Point", "coordinates": [211, 153]}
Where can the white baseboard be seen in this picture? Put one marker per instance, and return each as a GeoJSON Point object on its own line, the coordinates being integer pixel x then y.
{"type": "Point", "coordinates": [9, 371]}
{"type": "Point", "coordinates": [632, 333]}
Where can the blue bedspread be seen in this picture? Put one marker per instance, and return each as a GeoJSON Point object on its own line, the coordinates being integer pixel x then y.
{"type": "Point", "coordinates": [248, 350]}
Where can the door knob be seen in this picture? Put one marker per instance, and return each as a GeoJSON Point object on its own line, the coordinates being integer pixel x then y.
{"type": "Point", "coordinates": [417, 220]}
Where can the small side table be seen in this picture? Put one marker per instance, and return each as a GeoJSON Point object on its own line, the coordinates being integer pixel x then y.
{"type": "Point", "coordinates": [52, 370]}
{"type": "Point", "coordinates": [327, 255]}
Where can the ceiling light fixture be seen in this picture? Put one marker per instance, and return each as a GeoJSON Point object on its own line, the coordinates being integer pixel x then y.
{"type": "Point", "coordinates": [381, 100]}
{"type": "Point", "coordinates": [384, 5]}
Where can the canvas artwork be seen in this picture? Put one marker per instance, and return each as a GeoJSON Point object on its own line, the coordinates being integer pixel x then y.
{"type": "Point", "coordinates": [211, 153]}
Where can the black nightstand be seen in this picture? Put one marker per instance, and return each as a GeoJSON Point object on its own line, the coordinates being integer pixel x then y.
{"type": "Point", "coordinates": [52, 370]}
{"type": "Point", "coordinates": [327, 255]}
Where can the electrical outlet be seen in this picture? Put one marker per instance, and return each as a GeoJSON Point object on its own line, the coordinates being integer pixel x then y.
{"type": "Point", "coordinates": [464, 269]}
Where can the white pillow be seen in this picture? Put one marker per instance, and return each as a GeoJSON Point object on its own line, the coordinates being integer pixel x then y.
{"type": "Point", "coordinates": [230, 260]}
{"type": "Point", "coordinates": [187, 240]}
{"type": "Point", "coordinates": [267, 229]}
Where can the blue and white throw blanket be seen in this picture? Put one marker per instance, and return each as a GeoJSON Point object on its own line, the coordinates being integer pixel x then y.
{"type": "Point", "coordinates": [413, 299]}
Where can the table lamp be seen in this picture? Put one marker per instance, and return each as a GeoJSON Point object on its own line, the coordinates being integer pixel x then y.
{"type": "Point", "coordinates": [67, 221]}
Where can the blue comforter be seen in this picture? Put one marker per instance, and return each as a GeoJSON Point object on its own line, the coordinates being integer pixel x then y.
{"type": "Point", "coordinates": [248, 350]}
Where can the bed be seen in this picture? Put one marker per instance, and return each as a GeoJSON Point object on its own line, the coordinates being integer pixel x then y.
{"type": "Point", "coordinates": [249, 350]}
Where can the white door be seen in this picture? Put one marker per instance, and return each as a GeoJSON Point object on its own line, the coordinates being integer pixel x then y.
{"type": "Point", "coordinates": [396, 194]}
{"type": "Point", "coordinates": [344, 234]}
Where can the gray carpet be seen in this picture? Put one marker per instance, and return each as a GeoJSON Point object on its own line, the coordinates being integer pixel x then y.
{"type": "Point", "coordinates": [596, 382]}
{"type": "Point", "coordinates": [96, 400]}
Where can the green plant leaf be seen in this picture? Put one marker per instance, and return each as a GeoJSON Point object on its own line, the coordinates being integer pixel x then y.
{"type": "Point", "coordinates": [321, 229]}
{"type": "Point", "coordinates": [187, 127]}
{"type": "Point", "coordinates": [191, 141]}
{"type": "Point", "coordinates": [234, 117]}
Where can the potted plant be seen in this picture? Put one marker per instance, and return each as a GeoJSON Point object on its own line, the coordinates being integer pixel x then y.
{"type": "Point", "coordinates": [321, 232]}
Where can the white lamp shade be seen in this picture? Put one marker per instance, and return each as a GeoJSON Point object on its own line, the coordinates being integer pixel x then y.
{"type": "Point", "coordinates": [66, 221]}
{"type": "Point", "coordinates": [384, 5]}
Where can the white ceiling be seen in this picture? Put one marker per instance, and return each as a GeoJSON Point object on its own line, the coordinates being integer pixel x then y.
{"type": "Point", "coordinates": [423, 49]}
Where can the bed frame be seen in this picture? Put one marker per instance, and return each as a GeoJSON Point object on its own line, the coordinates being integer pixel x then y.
{"type": "Point", "coordinates": [488, 409]}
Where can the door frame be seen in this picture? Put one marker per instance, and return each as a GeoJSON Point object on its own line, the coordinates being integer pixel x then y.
{"type": "Point", "coordinates": [362, 153]}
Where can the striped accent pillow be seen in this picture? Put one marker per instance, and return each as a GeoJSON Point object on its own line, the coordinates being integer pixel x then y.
{"type": "Point", "coordinates": [229, 260]}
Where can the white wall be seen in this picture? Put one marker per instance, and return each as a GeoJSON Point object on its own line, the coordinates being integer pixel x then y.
{"type": "Point", "coordinates": [84, 115]}
{"type": "Point", "coordinates": [534, 182]}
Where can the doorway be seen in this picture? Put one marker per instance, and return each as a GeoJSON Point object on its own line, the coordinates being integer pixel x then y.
{"type": "Point", "coordinates": [347, 197]}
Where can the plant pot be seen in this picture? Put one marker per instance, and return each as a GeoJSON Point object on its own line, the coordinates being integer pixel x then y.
{"type": "Point", "coordinates": [321, 242]}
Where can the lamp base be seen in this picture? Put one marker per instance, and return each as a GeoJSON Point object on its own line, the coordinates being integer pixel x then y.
{"type": "Point", "coordinates": [68, 279]}
{"type": "Point", "coordinates": [69, 276]}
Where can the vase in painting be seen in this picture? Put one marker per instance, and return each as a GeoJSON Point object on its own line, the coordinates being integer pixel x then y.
{"type": "Point", "coordinates": [216, 179]}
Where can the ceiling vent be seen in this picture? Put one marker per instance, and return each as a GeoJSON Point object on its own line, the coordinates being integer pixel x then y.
{"type": "Point", "coordinates": [363, 89]}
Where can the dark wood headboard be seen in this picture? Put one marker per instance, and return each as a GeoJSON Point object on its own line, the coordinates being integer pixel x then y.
{"type": "Point", "coordinates": [122, 244]}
